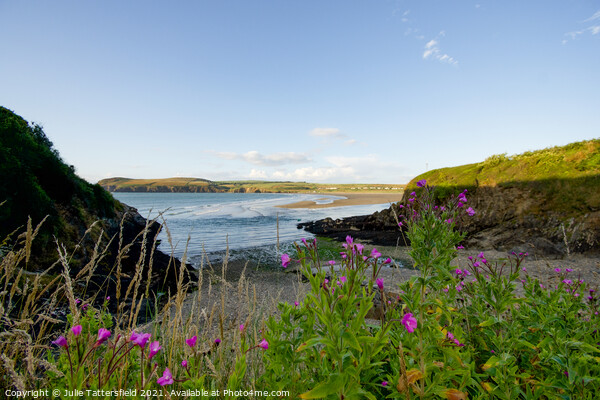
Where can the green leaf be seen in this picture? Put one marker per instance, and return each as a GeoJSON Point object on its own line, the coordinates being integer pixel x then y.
{"type": "Point", "coordinates": [324, 389]}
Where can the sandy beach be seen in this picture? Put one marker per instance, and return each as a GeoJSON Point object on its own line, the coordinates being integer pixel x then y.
{"type": "Point", "coordinates": [351, 199]}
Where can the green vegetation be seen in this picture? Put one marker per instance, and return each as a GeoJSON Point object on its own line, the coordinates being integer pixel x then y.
{"type": "Point", "coordinates": [204, 185]}
{"type": "Point", "coordinates": [37, 183]}
{"type": "Point", "coordinates": [453, 332]}
{"type": "Point", "coordinates": [566, 177]}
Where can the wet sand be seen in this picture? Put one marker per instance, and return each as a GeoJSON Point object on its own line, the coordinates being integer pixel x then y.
{"type": "Point", "coordinates": [351, 199]}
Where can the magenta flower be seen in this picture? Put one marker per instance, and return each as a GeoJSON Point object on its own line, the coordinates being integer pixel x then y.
{"type": "Point", "coordinates": [61, 342]}
{"type": "Point", "coordinates": [140, 339]}
{"type": "Point", "coordinates": [470, 211]}
{"type": "Point", "coordinates": [379, 282]}
{"type": "Point", "coordinates": [103, 335]}
{"type": "Point", "coordinates": [569, 270]}
{"type": "Point", "coordinates": [375, 253]}
{"type": "Point", "coordinates": [556, 269]}
{"type": "Point", "coordinates": [166, 379]}
{"type": "Point", "coordinates": [241, 327]}
{"type": "Point", "coordinates": [360, 248]}
{"type": "Point", "coordinates": [343, 279]}
{"type": "Point", "coordinates": [349, 240]}
{"type": "Point", "coordinates": [384, 383]}
{"type": "Point", "coordinates": [567, 281]}
{"type": "Point", "coordinates": [409, 322]}
{"type": "Point", "coordinates": [76, 330]}
{"type": "Point", "coordinates": [304, 242]}
{"type": "Point", "coordinates": [460, 247]}
{"type": "Point", "coordinates": [191, 341]}
{"type": "Point", "coordinates": [217, 341]}
{"type": "Point", "coordinates": [285, 260]}
{"type": "Point", "coordinates": [184, 364]}
{"type": "Point", "coordinates": [264, 344]}
{"type": "Point", "coordinates": [388, 261]}
{"type": "Point", "coordinates": [154, 348]}
{"type": "Point", "coordinates": [296, 303]}
{"type": "Point", "coordinates": [422, 183]}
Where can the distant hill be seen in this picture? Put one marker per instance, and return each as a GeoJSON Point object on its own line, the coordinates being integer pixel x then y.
{"type": "Point", "coordinates": [197, 185]}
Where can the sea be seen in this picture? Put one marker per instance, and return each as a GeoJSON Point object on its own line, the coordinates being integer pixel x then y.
{"type": "Point", "coordinates": [211, 226]}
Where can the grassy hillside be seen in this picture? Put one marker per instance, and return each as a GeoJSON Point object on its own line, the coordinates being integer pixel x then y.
{"type": "Point", "coordinates": [567, 177]}
{"type": "Point", "coordinates": [204, 185]}
{"type": "Point", "coordinates": [36, 182]}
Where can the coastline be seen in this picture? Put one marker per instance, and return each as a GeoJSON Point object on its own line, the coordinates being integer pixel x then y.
{"type": "Point", "coordinates": [351, 199]}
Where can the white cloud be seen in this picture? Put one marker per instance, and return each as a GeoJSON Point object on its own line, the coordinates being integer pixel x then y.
{"type": "Point", "coordinates": [350, 142]}
{"type": "Point", "coordinates": [318, 174]}
{"type": "Point", "coordinates": [257, 174]}
{"type": "Point", "coordinates": [432, 51]}
{"type": "Point", "coordinates": [326, 132]}
{"type": "Point", "coordinates": [594, 29]}
{"type": "Point", "coordinates": [274, 159]}
{"type": "Point", "coordinates": [593, 17]}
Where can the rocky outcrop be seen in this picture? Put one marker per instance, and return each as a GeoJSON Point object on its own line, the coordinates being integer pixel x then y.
{"type": "Point", "coordinates": [517, 219]}
{"type": "Point", "coordinates": [380, 228]}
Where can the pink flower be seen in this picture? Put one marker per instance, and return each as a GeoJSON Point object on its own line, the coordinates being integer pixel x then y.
{"type": "Point", "coordinates": [375, 253]}
{"type": "Point", "coordinates": [61, 342]}
{"type": "Point", "coordinates": [388, 261]}
{"type": "Point", "coordinates": [263, 344]}
{"type": "Point", "coordinates": [384, 383]}
{"type": "Point", "coordinates": [379, 282]}
{"type": "Point", "coordinates": [285, 260]}
{"type": "Point", "coordinates": [331, 262]}
{"type": "Point", "coordinates": [343, 279]}
{"type": "Point", "coordinates": [460, 247]}
{"type": "Point", "coordinates": [166, 379]}
{"type": "Point", "coordinates": [470, 211]}
{"type": "Point", "coordinates": [556, 269]}
{"type": "Point", "coordinates": [217, 341]}
{"type": "Point", "coordinates": [304, 242]}
{"type": "Point", "coordinates": [422, 183]}
{"type": "Point", "coordinates": [184, 364]}
{"type": "Point", "coordinates": [409, 322]}
{"type": "Point", "coordinates": [76, 330]}
{"type": "Point", "coordinates": [191, 341]}
{"type": "Point", "coordinates": [154, 348]}
{"type": "Point", "coordinates": [139, 339]}
{"type": "Point", "coordinates": [241, 327]}
{"type": "Point", "coordinates": [349, 240]}
{"type": "Point", "coordinates": [103, 335]}
{"type": "Point", "coordinates": [445, 289]}
{"type": "Point", "coordinates": [360, 248]}
{"type": "Point", "coordinates": [569, 270]}
{"type": "Point", "coordinates": [296, 303]}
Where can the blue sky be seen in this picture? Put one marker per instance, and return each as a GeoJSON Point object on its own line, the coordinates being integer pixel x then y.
{"type": "Point", "coordinates": [319, 91]}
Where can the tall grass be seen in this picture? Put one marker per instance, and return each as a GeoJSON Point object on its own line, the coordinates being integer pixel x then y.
{"type": "Point", "coordinates": [35, 307]}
